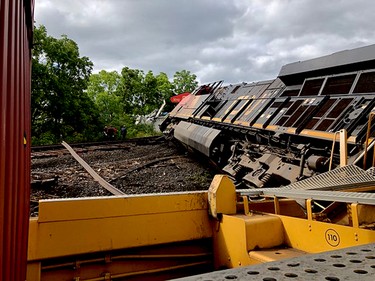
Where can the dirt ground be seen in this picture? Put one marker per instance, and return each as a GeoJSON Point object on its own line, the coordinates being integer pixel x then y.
{"type": "Point", "coordinates": [130, 167]}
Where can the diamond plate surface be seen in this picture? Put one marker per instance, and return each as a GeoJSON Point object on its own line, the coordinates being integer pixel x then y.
{"type": "Point", "coordinates": [355, 263]}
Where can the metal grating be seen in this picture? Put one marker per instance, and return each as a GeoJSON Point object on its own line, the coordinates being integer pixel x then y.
{"type": "Point", "coordinates": [371, 171]}
{"type": "Point", "coordinates": [334, 196]}
{"type": "Point", "coordinates": [328, 186]}
{"type": "Point", "coordinates": [346, 264]}
{"type": "Point", "coordinates": [337, 179]}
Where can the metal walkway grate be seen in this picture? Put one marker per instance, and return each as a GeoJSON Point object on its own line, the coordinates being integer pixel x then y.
{"type": "Point", "coordinates": [336, 196]}
{"type": "Point", "coordinates": [328, 186]}
{"type": "Point", "coordinates": [337, 179]}
{"type": "Point", "coordinates": [371, 171]}
{"type": "Point", "coordinates": [355, 263]}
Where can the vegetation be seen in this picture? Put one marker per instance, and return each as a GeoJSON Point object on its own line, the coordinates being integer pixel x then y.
{"type": "Point", "coordinates": [59, 78]}
{"type": "Point", "coordinates": [184, 81]}
{"type": "Point", "coordinates": [72, 104]}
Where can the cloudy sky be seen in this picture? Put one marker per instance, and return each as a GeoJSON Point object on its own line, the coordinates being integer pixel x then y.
{"type": "Point", "coordinates": [230, 40]}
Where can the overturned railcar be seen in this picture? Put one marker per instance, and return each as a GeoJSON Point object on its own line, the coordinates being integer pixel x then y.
{"type": "Point", "coordinates": [315, 116]}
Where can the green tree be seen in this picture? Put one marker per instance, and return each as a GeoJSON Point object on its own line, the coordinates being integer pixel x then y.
{"type": "Point", "coordinates": [184, 81]}
{"type": "Point", "coordinates": [60, 105]}
{"type": "Point", "coordinates": [122, 98]}
{"type": "Point", "coordinates": [143, 93]}
{"type": "Point", "coordinates": [140, 93]}
{"type": "Point", "coordinates": [130, 88]}
{"type": "Point", "coordinates": [102, 89]}
{"type": "Point", "coordinates": [165, 88]}
{"type": "Point", "coordinates": [150, 98]}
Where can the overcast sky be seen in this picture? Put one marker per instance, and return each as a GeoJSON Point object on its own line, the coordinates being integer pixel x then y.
{"type": "Point", "coordinates": [230, 40]}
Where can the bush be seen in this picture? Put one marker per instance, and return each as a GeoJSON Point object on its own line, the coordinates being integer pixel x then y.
{"type": "Point", "coordinates": [141, 130]}
{"type": "Point", "coordinates": [75, 138]}
{"type": "Point", "coordinates": [46, 138]}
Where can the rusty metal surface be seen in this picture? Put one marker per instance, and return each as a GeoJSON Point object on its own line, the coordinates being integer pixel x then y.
{"type": "Point", "coordinates": [16, 24]}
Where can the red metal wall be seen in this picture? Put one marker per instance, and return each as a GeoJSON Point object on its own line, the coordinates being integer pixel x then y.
{"type": "Point", "coordinates": [16, 23]}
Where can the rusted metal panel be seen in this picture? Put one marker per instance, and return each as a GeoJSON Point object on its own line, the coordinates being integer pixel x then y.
{"type": "Point", "coordinates": [16, 25]}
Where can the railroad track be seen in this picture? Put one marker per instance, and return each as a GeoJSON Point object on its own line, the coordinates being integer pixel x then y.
{"type": "Point", "coordinates": [136, 166]}
{"type": "Point", "coordinates": [137, 141]}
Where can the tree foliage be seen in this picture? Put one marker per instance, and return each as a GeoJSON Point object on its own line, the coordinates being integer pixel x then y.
{"type": "Point", "coordinates": [60, 105]}
{"type": "Point", "coordinates": [102, 89]}
{"type": "Point", "coordinates": [138, 91]}
{"type": "Point", "coordinates": [122, 97]}
{"type": "Point", "coordinates": [143, 93]}
{"type": "Point", "coordinates": [69, 103]}
{"type": "Point", "coordinates": [184, 81]}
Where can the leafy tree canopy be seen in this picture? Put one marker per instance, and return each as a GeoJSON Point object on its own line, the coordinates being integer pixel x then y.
{"type": "Point", "coordinates": [133, 92]}
{"type": "Point", "coordinates": [102, 89]}
{"type": "Point", "coordinates": [60, 105]}
{"type": "Point", "coordinates": [184, 81]}
{"type": "Point", "coordinates": [69, 103]}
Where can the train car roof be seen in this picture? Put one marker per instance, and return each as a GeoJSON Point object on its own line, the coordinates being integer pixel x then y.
{"type": "Point", "coordinates": [344, 61]}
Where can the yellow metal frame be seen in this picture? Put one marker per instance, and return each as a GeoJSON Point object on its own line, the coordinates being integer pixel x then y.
{"type": "Point", "coordinates": [343, 148]}
{"type": "Point", "coordinates": [368, 134]}
{"type": "Point", "coordinates": [222, 196]}
{"type": "Point", "coordinates": [138, 236]}
{"type": "Point", "coordinates": [239, 237]}
{"type": "Point", "coordinates": [69, 227]}
{"type": "Point", "coordinates": [255, 236]}
{"type": "Point", "coordinates": [74, 227]}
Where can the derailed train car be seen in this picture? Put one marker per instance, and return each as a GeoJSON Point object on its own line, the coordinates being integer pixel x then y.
{"type": "Point", "coordinates": [273, 133]}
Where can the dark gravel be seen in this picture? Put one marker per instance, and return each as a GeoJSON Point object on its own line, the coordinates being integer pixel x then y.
{"type": "Point", "coordinates": [131, 168]}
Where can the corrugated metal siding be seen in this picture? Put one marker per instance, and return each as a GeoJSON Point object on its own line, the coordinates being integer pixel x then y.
{"type": "Point", "coordinates": [16, 23]}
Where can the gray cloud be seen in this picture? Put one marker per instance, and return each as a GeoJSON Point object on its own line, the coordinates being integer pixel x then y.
{"type": "Point", "coordinates": [226, 40]}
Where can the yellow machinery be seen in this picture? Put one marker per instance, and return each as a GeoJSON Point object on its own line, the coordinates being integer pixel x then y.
{"type": "Point", "coordinates": [166, 236]}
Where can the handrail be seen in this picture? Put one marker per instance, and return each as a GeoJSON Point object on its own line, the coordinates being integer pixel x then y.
{"type": "Point", "coordinates": [343, 148]}
{"type": "Point", "coordinates": [371, 115]}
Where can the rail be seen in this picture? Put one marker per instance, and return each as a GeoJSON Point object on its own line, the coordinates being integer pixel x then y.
{"type": "Point", "coordinates": [95, 175]}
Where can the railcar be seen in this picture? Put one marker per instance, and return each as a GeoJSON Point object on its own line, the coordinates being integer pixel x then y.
{"type": "Point", "coordinates": [315, 116]}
